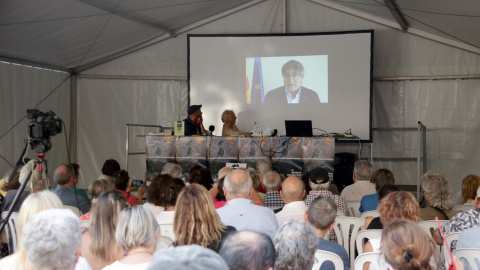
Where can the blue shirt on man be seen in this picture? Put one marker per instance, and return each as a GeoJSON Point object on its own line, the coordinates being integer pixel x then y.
{"type": "Point", "coordinates": [369, 203]}
{"type": "Point", "coordinates": [334, 248]}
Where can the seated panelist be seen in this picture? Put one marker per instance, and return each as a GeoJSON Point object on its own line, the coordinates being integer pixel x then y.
{"type": "Point", "coordinates": [193, 123]}
{"type": "Point", "coordinates": [229, 128]}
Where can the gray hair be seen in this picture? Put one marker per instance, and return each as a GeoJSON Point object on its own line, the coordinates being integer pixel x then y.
{"type": "Point", "coordinates": [62, 175]}
{"type": "Point", "coordinates": [437, 187]}
{"type": "Point", "coordinates": [322, 212]}
{"type": "Point", "coordinates": [237, 183]}
{"type": "Point", "coordinates": [271, 181]}
{"type": "Point", "coordinates": [264, 165]}
{"type": "Point", "coordinates": [248, 250]}
{"type": "Point", "coordinates": [192, 257]}
{"type": "Point", "coordinates": [173, 170]}
{"type": "Point", "coordinates": [136, 227]}
{"type": "Point", "coordinates": [224, 171]}
{"type": "Point", "coordinates": [33, 183]}
{"type": "Point", "coordinates": [323, 186]}
{"type": "Point", "coordinates": [363, 170]}
{"type": "Point", "coordinates": [254, 175]}
{"type": "Point", "coordinates": [295, 244]}
{"type": "Point", "coordinates": [51, 239]}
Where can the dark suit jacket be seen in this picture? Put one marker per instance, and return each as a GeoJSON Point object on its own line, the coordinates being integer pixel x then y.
{"type": "Point", "coordinates": [278, 96]}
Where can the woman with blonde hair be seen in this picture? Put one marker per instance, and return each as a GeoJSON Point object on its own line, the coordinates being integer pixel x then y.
{"type": "Point", "coordinates": [396, 205]}
{"type": "Point", "coordinates": [196, 221]}
{"type": "Point", "coordinates": [439, 196]}
{"type": "Point", "coordinates": [406, 246]}
{"type": "Point", "coordinates": [94, 190]}
{"type": "Point", "coordinates": [136, 234]}
{"type": "Point", "coordinates": [98, 242]}
{"type": "Point", "coordinates": [470, 184]}
{"type": "Point", "coordinates": [33, 204]}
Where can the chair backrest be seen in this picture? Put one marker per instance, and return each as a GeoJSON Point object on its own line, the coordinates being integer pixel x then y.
{"type": "Point", "coordinates": [365, 234]}
{"type": "Point", "coordinates": [165, 241]}
{"type": "Point", "coordinates": [11, 230]}
{"type": "Point", "coordinates": [321, 256]}
{"type": "Point", "coordinates": [167, 230]}
{"type": "Point", "coordinates": [85, 224]}
{"type": "Point", "coordinates": [353, 207]}
{"type": "Point", "coordinates": [373, 213]}
{"type": "Point", "coordinates": [346, 230]}
{"type": "Point", "coordinates": [74, 209]}
{"type": "Point", "coordinates": [426, 225]}
{"type": "Point", "coordinates": [463, 207]}
{"type": "Point", "coordinates": [471, 255]}
{"type": "Point", "coordinates": [450, 238]}
{"type": "Point", "coordinates": [371, 257]}
{"type": "Point", "coordinates": [340, 213]}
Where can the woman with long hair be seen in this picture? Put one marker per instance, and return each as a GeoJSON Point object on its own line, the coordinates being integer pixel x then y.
{"type": "Point", "coordinates": [196, 221]}
{"type": "Point", "coordinates": [98, 242]}
{"type": "Point", "coordinates": [470, 185]}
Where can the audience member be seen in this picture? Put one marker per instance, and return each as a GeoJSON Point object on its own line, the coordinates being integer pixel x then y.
{"type": "Point", "coordinates": [396, 205]}
{"type": "Point", "coordinates": [470, 184]}
{"type": "Point", "coordinates": [94, 190]}
{"type": "Point", "coordinates": [136, 234]}
{"type": "Point", "coordinates": [321, 215]}
{"type": "Point", "coordinates": [65, 181]}
{"type": "Point", "coordinates": [374, 222]}
{"type": "Point", "coordinates": [255, 180]}
{"type": "Point", "coordinates": [124, 185]}
{"type": "Point", "coordinates": [202, 177]}
{"type": "Point", "coordinates": [168, 194]}
{"type": "Point", "coordinates": [240, 212]}
{"type": "Point", "coordinates": [172, 169]}
{"type": "Point", "coordinates": [295, 245]}
{"type": "Point", "coordinates": [154, 195]}
{"type": "Point", "coordinates": [33, 185]}
{"type": "Point", "coordinates": [248, 251]}
{"type": "Point", "coordinates": [462, 221]}
{"type": "Point", "coordinates": [438, 194]}
{"type": "Point", "coordinates": [362, 172]}
{"type": "Point", "coordinates": [217, 195]}
{"type": "Point", "coordinates": [405, 245]}
{"type": "Point", "coordinates": [319, 182]}
{"type": "Point", "coordinates": [380, 178]}
{"type": "Point", "coordinates": [292, 193]}
{"type": "Point", "coordinates": [191, 257]}
{"type": "Point", "coordinates": [33, 204]}
{"type": "Point", "coordinates": [272, 181]}
{"type": "Point", "coordinates": [306, 178]}
{"type": "Point", "coordinates": [195, 220]}
{"type": "Point", "coordinates": [263, 166]}
{"type": "Point", "coordinates": [470, 238]}
{"type": "Point", "coordinates": [98, 242]}
{"type": "Point", "coordinates": [110, 166]}
{"type": "Point", "coordinates": [6, 185]}
{"type": "Point", "coordinates": [76, 177]}
{"type": "Point", "coordinates": [52, 240]}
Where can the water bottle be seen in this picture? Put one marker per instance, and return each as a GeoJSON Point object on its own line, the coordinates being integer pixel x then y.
{"type": "Point", "coordinates": [255, 127]}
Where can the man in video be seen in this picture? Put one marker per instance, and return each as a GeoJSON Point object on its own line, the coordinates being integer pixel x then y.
{"type": "Point", "coordinates": [292, 91]}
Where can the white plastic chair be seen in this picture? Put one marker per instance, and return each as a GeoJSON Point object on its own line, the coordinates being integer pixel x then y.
{"type": "Point", "coordinates": [346, 231]}
{"type": "Point", "coordinates": [365, 234]}
{"type": "Point", "coordinates": [321, 256]}
{"type": "Point", "coordinates": [353, 208]}
{"type": "Point", "coordinates": [430, 224]}
{"type": "Point", "coordinates": [471, 255]}
{"type": "Point", "coordinates": [371, 257]}
{"type": "Point", "coordinates": [11, 229]}
{"type": "Point", "coordinates": [74, 209]}
{"type": "Point", "coordinates": [450, 238]}
{"type": "Point", "coordinates": [463, 207]}
{"type": "Point", "coordinates": [373, 213]}
{"type": "Point", "coordinates": [167, 230]}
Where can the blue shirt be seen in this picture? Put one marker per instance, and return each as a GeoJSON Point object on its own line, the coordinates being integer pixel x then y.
{"type": "Point", "coordinates": [191, 128]}
{"type": "Point", "coordinates": [369, 203]}
{"type": "Point", "coordinates": [69, 198]}
{"type": "Point", "coordinates": [469, 239]}
{"type": "Point", "coordinates": [246, 216]}
{"type": "Point", "coordinates": [334, 248]}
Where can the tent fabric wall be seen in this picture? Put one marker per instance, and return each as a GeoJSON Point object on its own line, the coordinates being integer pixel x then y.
{"type": "Point", "coordinates": [106, 106]}
{"type": "Point", "coordinates": [23, 88]}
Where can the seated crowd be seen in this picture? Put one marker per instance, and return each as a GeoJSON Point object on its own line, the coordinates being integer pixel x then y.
{"type": "Point", "coordinates": [251, 219]}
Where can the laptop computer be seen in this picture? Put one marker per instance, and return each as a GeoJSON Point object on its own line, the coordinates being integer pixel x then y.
{"type": "Point", "coordinates": [298, 128]}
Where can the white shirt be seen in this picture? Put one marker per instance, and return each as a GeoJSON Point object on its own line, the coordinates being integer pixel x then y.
{"type": "Point", "coordinates": [121, 266]}
{"type": "Point", "coordinates": [7, 263]}
{"type": "Point", "coordinates": [297, 97]}
{"type": "Point", "coordinates": [355, 192]}
{"type": "Point", "coordinates": [295, 210]}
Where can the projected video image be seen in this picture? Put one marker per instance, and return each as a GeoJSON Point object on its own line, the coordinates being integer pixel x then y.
{"type": "Point", "coordinates": [287, 79]}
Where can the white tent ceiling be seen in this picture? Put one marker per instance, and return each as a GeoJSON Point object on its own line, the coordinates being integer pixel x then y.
{"type": "Point", "coordinates": [74, 35]}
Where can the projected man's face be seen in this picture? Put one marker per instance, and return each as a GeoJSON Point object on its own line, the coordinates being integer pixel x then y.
{"type": "Point", "coordinates": [292, 80]}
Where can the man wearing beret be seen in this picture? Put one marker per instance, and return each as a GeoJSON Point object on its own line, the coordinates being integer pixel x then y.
{"type": "Point", "coordinates": [193, 123]}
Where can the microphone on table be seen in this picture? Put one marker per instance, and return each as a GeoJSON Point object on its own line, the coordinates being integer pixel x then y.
{"type": "Point", "coordinates": [211, 128]}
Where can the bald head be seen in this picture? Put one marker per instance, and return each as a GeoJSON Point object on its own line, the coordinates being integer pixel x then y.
{"type": "Point", "coordinates": [293, 189]}
{"type": "Point", "coordinates": [237, 185]}
{"type": "Point", "coordinates": [228, 116]}
{"type": "Point", "coordinates": [62, 175]}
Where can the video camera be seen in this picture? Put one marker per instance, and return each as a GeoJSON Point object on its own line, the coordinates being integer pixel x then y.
{"type": "Point", "coordinates": [40, 131]}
